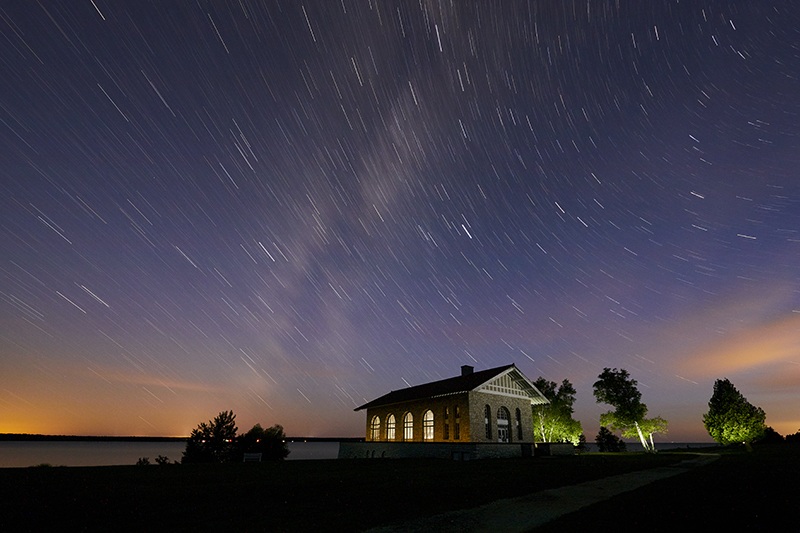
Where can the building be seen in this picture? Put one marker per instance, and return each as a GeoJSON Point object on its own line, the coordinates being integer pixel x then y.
{"type": "Point", "coordinates": [476, 414]}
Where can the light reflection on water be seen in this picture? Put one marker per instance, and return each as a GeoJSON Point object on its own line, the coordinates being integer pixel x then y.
{"type": "Point", "coordinates": [106, 453]}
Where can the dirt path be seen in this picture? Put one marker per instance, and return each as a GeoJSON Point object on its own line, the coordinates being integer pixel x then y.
{"type": "Point", "coordinates": [524, 513]}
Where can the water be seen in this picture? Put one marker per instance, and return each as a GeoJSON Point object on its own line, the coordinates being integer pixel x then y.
{"type": "Point", "coordinates": [106, 453]}
{"type": "Point", "coordinates": [637, 446]}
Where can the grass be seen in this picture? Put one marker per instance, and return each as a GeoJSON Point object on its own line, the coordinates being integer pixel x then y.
{"type": "Point", "coordinates": [739, 491]}
{"type": "Point", "coordinates": [349, 495]}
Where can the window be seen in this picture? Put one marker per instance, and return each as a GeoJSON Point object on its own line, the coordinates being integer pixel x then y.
{"type": "Point", "coordinates": [375, 428]}
{"type": "Point", "coordinates": [519, 424]}
{"type": "Point", "coordinates": [503, 434]}
{"type": "Point", "coordinates": [487, 421]}
{"type": "Point", "coordinates": [457, 427]}
{"type": "Point", "coordinates": [408, 427]}
{"type": "Point", "coordinates": [446, 435]}
{"type": "Point", "coordinates": [427, 425]}
{"type": "Point", "coordinates": [390, 433]}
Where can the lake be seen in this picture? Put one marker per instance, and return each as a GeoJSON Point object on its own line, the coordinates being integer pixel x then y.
{"type": "Point", "coordinates": [107, 453]}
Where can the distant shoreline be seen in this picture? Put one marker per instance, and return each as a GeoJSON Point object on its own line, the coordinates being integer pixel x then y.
{"type": "Point", "coordinates": [33, 437]}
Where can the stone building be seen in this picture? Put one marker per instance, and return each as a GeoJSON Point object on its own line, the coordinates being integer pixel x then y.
{"type": "Point", "coordinates": [476, 414]}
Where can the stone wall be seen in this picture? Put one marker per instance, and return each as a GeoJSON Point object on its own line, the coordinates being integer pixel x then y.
{"type": "Point", "coordinates": [472, 427]}
{"type": "Point", "coordinates": [553, 448]}
{"type": "Point", "coordinates": [435, 450]}
{"type": "Point", "coordinates": [479, 400]}
{"type": "Point", "coordinates": [417, 408]}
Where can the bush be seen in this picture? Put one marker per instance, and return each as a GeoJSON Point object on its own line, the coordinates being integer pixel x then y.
{"type": "Point", "coordinates": [608, 442]}
{"type": "Point", "coordinates": [270, 442]}
{"type": "Point", "coordinates": [143, 461]}
{"type": "Point", "coordinates": [217, 442]}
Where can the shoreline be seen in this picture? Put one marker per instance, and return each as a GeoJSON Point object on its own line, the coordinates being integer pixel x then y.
{"type": "Point", "coordinates": [35, 437]}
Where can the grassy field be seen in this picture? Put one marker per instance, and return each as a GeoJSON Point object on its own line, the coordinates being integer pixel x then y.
{"type": "Point", "coordinates": [757, 491]}
{"type": "Point", "coordinates": [356, 494]}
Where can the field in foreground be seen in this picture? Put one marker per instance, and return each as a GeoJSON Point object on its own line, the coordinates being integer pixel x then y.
{"type": "Point", "coordinates": [358, 494]}
{"type": "Point", "coordinates": [741, 491]}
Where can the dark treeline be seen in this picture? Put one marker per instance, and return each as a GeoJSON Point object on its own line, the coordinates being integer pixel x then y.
{"type": "Point", "coordinates": [30, 437]}
{"type": "Point", "coordinates": [64, 438]}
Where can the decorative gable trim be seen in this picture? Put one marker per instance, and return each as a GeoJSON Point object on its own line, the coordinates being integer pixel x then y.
{"type": "Point", "coordinates": [504, 385]}
{"type": "Point", "coordinates": [513, 383]}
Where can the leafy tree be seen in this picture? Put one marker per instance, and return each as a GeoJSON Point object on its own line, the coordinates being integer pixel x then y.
{"type": "Point", "coordinates": [553, 422]}
{"type": "Point", "coordinates": [771, 437]}
{"type": "Point", "coordinates": [212, 442]}
{"type": "Point", "coordinates": [618, 389]}
{"type": "Point", "coordinates": [794, 438]}
{"type": "Point", "coordinates": [608, 442]}
{"type": "Point", "coordinates": [731, 418]}
{"type": "Point", "coordinates": [270, 442]}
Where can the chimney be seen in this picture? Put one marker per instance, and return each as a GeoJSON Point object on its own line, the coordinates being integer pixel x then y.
{"type": "Point", "coordinates": [466, 370]}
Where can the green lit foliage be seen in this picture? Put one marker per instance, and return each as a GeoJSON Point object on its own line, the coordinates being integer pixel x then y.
{"type": "Point", "coordinates": [553, 422]}
{"type": "Point", "coordinates": [731, 418]}
{"type": "Point", "coordinates": [212, 442]}
{"type": "Point", "coordinates": [270, 442]}
{"type": "Point", "coordinates": [618, 389]}
{"type": "Point", "coordinates": [608, 442]}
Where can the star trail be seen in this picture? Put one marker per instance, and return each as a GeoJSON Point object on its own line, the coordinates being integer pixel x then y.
{"type": "Point", "coordinates": [290, 208]}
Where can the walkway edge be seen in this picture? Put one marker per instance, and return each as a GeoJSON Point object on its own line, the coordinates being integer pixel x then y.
{"type": "Point", "coordinates": [524, 513]}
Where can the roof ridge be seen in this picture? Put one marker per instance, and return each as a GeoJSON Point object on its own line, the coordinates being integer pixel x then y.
{"type": "Point", "coordinates": [451, 385]}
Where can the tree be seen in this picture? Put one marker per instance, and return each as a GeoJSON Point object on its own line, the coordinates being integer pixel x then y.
{"type": "Point", "coordinates": [553, 422]}
{"type": "Point", "coordinates": [608, 442]}
{"type": "Point", "coordinates": [212, 442]}
{"type": "Point", "coordinates": [270, 442]}
{"type": "Point", "coordinates": [618, 389]}
{"type": "Point", "coordinates": [771, 436]}
{"type": "Point", "coordinates": [731, 418]}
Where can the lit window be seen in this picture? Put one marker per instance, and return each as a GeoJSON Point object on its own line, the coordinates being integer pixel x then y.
{"type": "Point", "coordinates": [375, 428]}
{"type": "Point", "coordinates": [390, 433]}
{"type": "Point", "coordinates": [427, 425]}
{"type": "Point", "coordinates": [503, 434]}
{"type": "Point", "coordinates": [487, 421]}
{"type": "Point", "coordinates": [408, 427]}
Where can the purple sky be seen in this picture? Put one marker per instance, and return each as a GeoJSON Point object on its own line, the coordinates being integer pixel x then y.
{"type": "Point", "coordinates": [288, 209]}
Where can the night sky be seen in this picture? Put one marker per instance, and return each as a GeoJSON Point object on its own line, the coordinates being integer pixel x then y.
{"type": "Point", "coordinates": [290, 208]}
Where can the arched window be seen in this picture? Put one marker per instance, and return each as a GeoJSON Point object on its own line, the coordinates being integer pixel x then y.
{"type": "Point", "coordinates": [408, 427]}
{"type": "Point", "coordinates": [518, 415]}
{"type": "Point", "coordinates": [487, 421]}
{"type": "Point", "coordinates": [390, 432]}
{"type": "Point", "coordinates": [375, 428]}
{"type": "Point", "coordinates": [503, 434]}
{"type": "Point", "coordinates": [427, 425]}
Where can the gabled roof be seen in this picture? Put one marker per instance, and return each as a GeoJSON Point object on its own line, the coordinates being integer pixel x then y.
{"type": "Point", "coordinates": [456, 385]}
